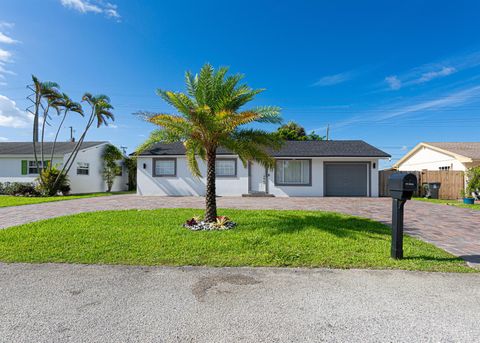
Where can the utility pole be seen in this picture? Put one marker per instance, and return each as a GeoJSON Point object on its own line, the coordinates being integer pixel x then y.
{"type": "Point", "coordinates": [72, 139]}
{"type": "Point", "coordinates": [124, 149]}
{"type": "Point", "coordinates": [328, 131]}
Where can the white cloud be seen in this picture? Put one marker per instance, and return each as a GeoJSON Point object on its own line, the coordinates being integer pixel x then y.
{"type": "Point", "coordinates": [93, 6]}
{"type": "Point", "coordinates": [454, 99]}
{"type": "Point", "coordinates": [5, 56]}
{"type": "Point", "coordinates": [12, 116]}
{"type": "Point", "coordinates": [3, 139]}
{"type": "Point", "coordinates": [335, 79]}
{"type": "Point", "coordinates": [393, 82]}
{"type": "Point", "coordinates": [445, 71]}
{"type": "Point", "coordinates": [6, 39]}
{"type": "Point", "coordinates": [6, 25]}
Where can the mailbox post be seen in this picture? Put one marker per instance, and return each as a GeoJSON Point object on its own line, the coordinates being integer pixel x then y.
{"type": "Point", "coordinates": [401, 187]}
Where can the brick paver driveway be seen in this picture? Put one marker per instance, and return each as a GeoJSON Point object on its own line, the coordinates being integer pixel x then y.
{"type": "Point", "coordinates": [454, 229]}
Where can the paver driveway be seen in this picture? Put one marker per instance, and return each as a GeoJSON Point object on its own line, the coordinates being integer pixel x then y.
{"type": "Point", "coordinates": [457, 230]}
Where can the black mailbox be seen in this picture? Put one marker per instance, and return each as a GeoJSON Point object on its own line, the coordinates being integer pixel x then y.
{"type": "Point", "coordinates": [402, 186]}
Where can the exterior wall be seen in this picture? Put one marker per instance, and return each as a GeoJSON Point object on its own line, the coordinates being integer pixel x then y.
{"type": "Point", "coordinates": [11, 171]}
{"type": "Point", "coordinates": [11, 168]}
{"type": "Point", "coordinates": [426, 158]}
{"type": "Point", "coordinates": [317, 187]}
{"type": "Point", "coordinates": [93, 182]}
{"type": "Point", "coordinates": [183, 184]}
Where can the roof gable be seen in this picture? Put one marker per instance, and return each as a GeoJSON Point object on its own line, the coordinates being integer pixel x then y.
{"type": "Point", "coordinates": [462, 151]}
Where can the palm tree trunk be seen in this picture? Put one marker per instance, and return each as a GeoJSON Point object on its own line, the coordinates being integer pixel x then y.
{"type": "Point", "coordinates": [210, 197]}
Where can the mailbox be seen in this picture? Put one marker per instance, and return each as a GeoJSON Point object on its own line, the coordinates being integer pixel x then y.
{"type": "Point", "coordinates": [402, 186]}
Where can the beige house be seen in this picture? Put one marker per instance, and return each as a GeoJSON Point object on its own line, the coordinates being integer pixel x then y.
{"type": "Point", "coordinates": [441, 156]}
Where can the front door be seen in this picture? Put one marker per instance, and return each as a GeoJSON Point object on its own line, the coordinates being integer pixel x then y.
{"type": "Point", "coordinates": [258, 178]}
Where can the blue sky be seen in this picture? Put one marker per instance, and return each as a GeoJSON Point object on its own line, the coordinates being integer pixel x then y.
{"type": "Point", "coordinates": [390, 73]}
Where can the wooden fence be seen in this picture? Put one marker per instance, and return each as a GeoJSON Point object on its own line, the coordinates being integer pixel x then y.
{"type": "Point", "coordinates": [452, 182]}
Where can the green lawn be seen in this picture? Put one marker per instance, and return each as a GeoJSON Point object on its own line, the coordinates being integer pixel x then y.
{"type": "Point", "coordinates": [457, 203]}
{"type": "Point", "coordinates": [9, 200]}
{"type": "Point", "coordinates": [262, 238]}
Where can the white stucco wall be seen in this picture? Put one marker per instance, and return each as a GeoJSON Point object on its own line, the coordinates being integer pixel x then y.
{"type": "Point", "coordinates": [184, 184]}
{"type": "Point", "coordinates": [426, 158]}
{"type": "Point", "coordinates": [11, 168]}
{"type": "Point", "coordinates": [94, 181]}
{"type": "Point", "coordinates": [11, 171]}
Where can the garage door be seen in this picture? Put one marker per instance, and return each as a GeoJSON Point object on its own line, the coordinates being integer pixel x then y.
{"type": "Point", "coordinates": [346, 179]}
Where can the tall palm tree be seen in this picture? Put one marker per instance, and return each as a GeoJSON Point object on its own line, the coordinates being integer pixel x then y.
{"type": "Point", "coordinates": [66, 104]}
{"type": "Point", "coordinates": [209, 116]}
{"type": "Point", "coordinates": [100, 113]}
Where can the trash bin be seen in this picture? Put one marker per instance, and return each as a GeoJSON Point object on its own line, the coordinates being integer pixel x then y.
{"type": "Point", "coordinates": [434, 189]}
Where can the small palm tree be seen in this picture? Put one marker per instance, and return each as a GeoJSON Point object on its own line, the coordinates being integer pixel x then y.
{"type": "Point", "coordinates": [210, 116]}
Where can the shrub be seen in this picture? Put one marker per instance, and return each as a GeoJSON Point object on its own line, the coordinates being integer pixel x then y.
{"type": "Point", "coordinates": [473, 177]}
{"type": "Point", "coordinates": [48, 185]}
{"type": "Point", "coordinates": [19, 189]}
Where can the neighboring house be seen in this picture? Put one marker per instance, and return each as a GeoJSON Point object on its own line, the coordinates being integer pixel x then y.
{"type": "Point", "coordinates": [307, 168]}
{"type": "Point", "coordinates": [17, 164]}
{"type": "Point", "coordinates": [441, 156]}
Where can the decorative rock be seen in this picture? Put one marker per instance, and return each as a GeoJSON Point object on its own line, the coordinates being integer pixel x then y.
{"type": "Point", "coordinates": [204, 226]}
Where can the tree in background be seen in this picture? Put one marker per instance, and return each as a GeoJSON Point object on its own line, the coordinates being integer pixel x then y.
{"type": "Point", "coordinates": [131, 166]}
{"type": "Point", "coordinates": [210, 116]}
{"type": "Point", "coordinates": [46, 96]}
{"type": "Point", "coordinates": [294, 132]}
{"type": "Point", "coordinates": [111, 169]}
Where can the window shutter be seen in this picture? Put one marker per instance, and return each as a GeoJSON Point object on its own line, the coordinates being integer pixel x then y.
{"type": "Point", "coordinates": [24, 167]}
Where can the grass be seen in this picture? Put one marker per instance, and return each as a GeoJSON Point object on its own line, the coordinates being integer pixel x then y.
{"type": "Point", "coordinates": [457, 203]}
{"type": "Point", "coordinates": [10, 200]}
{"type": "Point", "coordinates": [262, 238]}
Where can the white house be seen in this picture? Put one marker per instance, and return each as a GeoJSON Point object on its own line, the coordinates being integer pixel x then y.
{"type": "Point", "coordinates": [441, 156]}
{"type": "Point", "coordinates": [309, 168]}
{"type": "Point", "coordinates": [17, 164]}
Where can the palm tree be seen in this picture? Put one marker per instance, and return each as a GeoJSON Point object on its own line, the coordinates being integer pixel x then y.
{"type": "Point", "coordinates": [68, 105]}
{"type": "Point", "coordinates": [100, 112]}
{"type": "Point", "coordinates": [209, 116]}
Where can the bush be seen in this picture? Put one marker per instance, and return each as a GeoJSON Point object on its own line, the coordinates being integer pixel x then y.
{"type": "Point", "coordinates": [473, 177]}
{"type": "Point", "coordinates": [47, 185]}
{"type": "Point", "coordinates": [19, 189]}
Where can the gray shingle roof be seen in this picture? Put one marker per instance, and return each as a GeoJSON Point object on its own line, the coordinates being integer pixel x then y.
{"type": "Point", "coordinates": [26, 148]}
{"type": "Point", "coordinates": [355, 148]}
{"type": "Point", "coordinates": [467, 149]}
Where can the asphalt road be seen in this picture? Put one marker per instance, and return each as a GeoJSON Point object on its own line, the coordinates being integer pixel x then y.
{"type": "Point", "coordinates": [76, 303]}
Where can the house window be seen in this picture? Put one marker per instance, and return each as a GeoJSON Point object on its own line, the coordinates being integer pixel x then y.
{"type": "Point", "coordinates": [444, 168]}
{"type": "Point", "coordinates": [32, 166]}
{"type": "Point", "coordinates": [226, 167]}
{"type": "Point", "coordinates": [165, 167]}
{"type": "Point", "coordinates": [293, 172]}
{"type": "Point", "coordinates": [83, 168]}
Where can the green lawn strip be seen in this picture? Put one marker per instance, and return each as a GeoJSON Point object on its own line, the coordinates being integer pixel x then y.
{"type": "Point", "coordinates": [262, 238]}
{"type": "Point", "coordinates": [457, 203]}
{"type": "Point", "coordinates": [9, 200]}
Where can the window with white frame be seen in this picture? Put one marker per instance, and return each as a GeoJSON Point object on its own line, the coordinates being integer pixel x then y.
{"type": "Point", "coordinates": [32, 166]}
{"type": "Point", "coordinates": [226, 167]}
{"type": "Point", "coordinates": [165, 167]}
{"type": "Point", "coordinates": [83, 168]}
{"type": "Point", "coordinates": [293, 172]}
